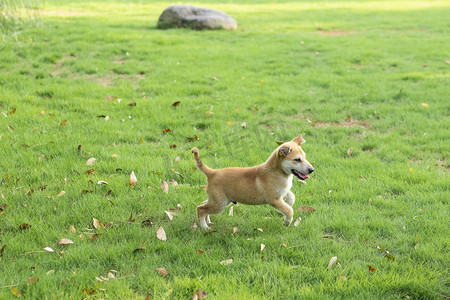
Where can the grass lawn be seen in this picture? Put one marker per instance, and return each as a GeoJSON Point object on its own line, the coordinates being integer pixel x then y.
{"type": "Point", "coordinates": [97, 79]}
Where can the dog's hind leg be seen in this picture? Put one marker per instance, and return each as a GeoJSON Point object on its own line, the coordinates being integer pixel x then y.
{"type": "Point", "coordinates": [215, 204]}
{"type": "Point", "coordinates": [285, 209]}
{"type": "Point", "coordinates": [290, 198]}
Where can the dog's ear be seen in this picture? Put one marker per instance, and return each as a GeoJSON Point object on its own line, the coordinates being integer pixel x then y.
{"type": "Point", "coordinates": [284, 151]}
{"type": "Point", "coordinates": [299, 139]}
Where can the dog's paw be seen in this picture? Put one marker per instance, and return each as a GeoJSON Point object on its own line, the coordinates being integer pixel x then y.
{"type": "Point", "coordinates": [287, 222]}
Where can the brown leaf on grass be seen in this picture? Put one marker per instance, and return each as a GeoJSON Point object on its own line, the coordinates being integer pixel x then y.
{"type": "Point", "coordinates": [173, 182]}
{"type": "Point", "coordinates": [258, 229]}
{"type": "Point", "coordinates": [306, 209]}
{"type": "Point", "coordinates": [141, 139]}
{"type": "Point", "coordinates": [100, 182]}
{"type": "Point", "coordinates": [72, 228]}
{"type": "Point", "coordinates": [342, 277]}
{"type": "Point", "coordinates": [162, 272]}
{"type": "Point", "coordinates": [148, 297]}
{"type": "Point", "coordinates": [166, 130]}
{"type": "Point", "coordinates": [139, 249]}
{"type": "Point", "coordinates": [165, 186]}
{"type": "Point", "coordinates": [176, 103]}
{"type": "Point", "coordinates": [65, 242]}
{"type": "Point", "coordinates": [90, 292]}
{"type": "Point", "coordinates": [161, 234]}
{"type": "Point", "coordinates": [195, 138]}
{"type": "Point", "coordinates": [42, 113]}
{"type": "Point", "coordinates": [332, 262]}
{"type": "Point", "coordinates": [200, 251]}
{"type": "Point", "coordinates": [60, 193]}
{"type": "Point", "coordinates": [11, 128]}
{"type": "Point", "coordinates": [94, 236]}
{"type": "Point", "coordinates": [63, 123]}
{"type": "Point", "coordinates": [110, 98]}
{"type": "Point", "coordinates": [16, 292]}
{"type": "Point", "coordinates": [3, 206]}
{"type": "Point", "coordinates": [170, 213]}
{"type": "Point", "coordinates": [80, 148]}
{"type": "Point", "coordinates": [90, 161]}
{"type": "Point", "coordinates": [177, 159]}
{"type": "Point", "coordinates": [243, 124]}
{"type": "Point", "coordinates": [109, 225]}
{"type": "Point", "coordinates": [226, 262]}
{"type": "Point", "coordinates": [86, 192]}
{"type": "Point", "coordinates": [262, 247]}
{"type": "Point", "coordinates": [350, 151]}
{"type": "Point", "coordinates": [24, 226]}
{"type": "Point", "coordinates": [48, 249]}
{"type": "Point", "coordinates": [201, 294]}
{"type": "Point", "coordinates": [235, 230]}
{"type": "Point", "coordinates": [31, 280]}
{"type": "Point", "coordinates": [147, 223]}
{"type": "Point", "coordinates": [2, 250]}
{"type": "Point", "coordinates": [13, 111]}
{"type": "Point", "coordinates": [209, 112]}
{"type": "Point", "coordinates": [172, 146]}
{"type": "Point", "coordinates": [97, 224]}
{"type": "Point", "coordinates": [133, 179]}
{"type": "Point", "coordinates": [107, 193]}
{"type": "Point", "coordinates": [130, 219]}
{"type": "Point", "coordinates": [371, 269]}
{"type": "Point", "coordinates": [132, 104]}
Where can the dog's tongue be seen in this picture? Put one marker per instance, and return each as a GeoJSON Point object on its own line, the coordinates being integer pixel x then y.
{"type": "Point", "coordinates": [303, 175]}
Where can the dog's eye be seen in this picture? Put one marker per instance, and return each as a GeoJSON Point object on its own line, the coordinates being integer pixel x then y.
{"type": "Point", "coordinates": [298, 160]}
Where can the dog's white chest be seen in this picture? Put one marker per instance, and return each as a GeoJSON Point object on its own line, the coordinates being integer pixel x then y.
{"type": "Point", "coordinates": [284, 188]}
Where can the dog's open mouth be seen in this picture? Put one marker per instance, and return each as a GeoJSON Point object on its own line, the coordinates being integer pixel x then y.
{"type": "Point", "coordinates": [299, 175]}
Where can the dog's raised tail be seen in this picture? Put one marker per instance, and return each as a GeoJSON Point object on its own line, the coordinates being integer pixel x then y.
{"type": "Point", "coordinates": [200, 164]}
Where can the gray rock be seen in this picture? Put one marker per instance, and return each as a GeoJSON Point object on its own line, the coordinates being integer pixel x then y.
{"type": "Point", "coordinates": [194, 17]}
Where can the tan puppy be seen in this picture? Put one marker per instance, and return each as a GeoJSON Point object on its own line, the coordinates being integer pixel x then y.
{"type": "Point", "coordinates": [267, 183]}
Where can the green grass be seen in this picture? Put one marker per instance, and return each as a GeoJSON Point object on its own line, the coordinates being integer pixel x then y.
{"type": "Point", "coordinates": [291, 67]}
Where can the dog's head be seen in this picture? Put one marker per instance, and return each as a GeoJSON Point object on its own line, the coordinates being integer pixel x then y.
{"type": "Point", "coordinates": [293, 159]}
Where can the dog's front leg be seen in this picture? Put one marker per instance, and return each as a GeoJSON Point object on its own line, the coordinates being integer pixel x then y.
{"type": "Point", "coordinates": [290, 198]}
{"type": "Point", "coordinates": [285, 209]}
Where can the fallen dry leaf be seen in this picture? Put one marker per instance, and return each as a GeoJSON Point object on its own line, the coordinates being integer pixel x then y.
{"type": "Point", "coordinates": [139, 249]}
{"type": "Point", "coordinates": [91, 171]}
{"type": "Point", "coordinates": [11, 128]}
{"type": "Point", "coordinates": [371, 269]}
{"type": "Point", "coordinates": [297, 222]}
{"type": "Point", "coordinates": [63, 123]}
{"type": "Point", "coordinates": [201, 294]}
{"type": "Point", "coordinates": [235, 230]}
{"type": "Point", "coordinates": [426, 105]}
{"type": "Point", "coordinates": [176, 103]}
{"type": "Point", "coordinates": [209, 112]}
{"type": "Point", "coordinates": [165, 186]}
{"type": "Point", "coordinates": [72, 228]}
{"type": "Point", "coordinates": [210, 232]}
{"type": "Point", "coordinates": [133, 179]}
{"type": "Point", "coordinates": [97, 224]}
{"type": "Point", "coordinates": [31, 280]}
{"type": "Point", "coordinates": [24, 226]}
{"type": "Point", "coordinates": [172, 146]}
{"type": "Point", "coordinates": [94, 236]}
{"type": "Point", "coordinates": [90, 161]}
{"type": "Point", "coordinates": [161, 271]}
{"type": "Point", "coordinates": [262, 247]}
{"type": "Point", "coordinates": [49, 249]}
{"type": "Point", "coordinates": [177, 159]}
{"type": "Point", "coordinates": [13, 111]}
{"type": "Point", "coordinates": [342, 277]}
{"type": "Point", "coordinates": [132, 104]}
{"type": "Point", "coordinates": [102, 182]}
{"type": "Point", "coordinates": [166, 130]}
{"type": "Point", "coordinates": [350, 151]}
{"type": "Point", "coordinates": [259, 229]}
{"type": "Point", "coordinates": [60, 193]}
{"type": "Point", "coordinates": [2, 250]}
{"type": "Point", "coordinates": [332, 262]}
{"type": "Point", "coordinates": [306, 209]}
{"type": "Point", "coordinates": [161, 234]}
{"type": "Point", "coordinates": [243, 124]}
{"type": "Point", "coordinates": [65, 242]}
{"type": "Point", "coordinates": [226, 262]}
{"type": "Point", "coordinates": [200, 251]}
{"type": "Point", "coordinates": [16, 292]}
{"type": "Point", "coordinates": [170, 213]}
{"type": "Point", "coordinates": [173, 182]}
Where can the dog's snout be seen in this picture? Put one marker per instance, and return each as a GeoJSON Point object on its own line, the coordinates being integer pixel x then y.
{"type": "Point", "coordinates": [311, 170]}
